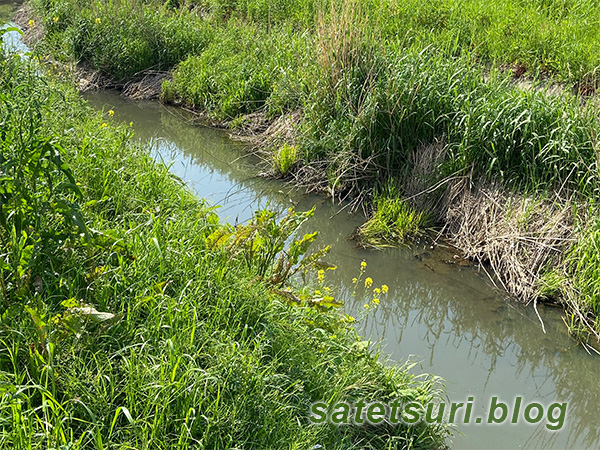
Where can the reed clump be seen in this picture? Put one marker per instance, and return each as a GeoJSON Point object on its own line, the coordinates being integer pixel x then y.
{"type": "Point", "coordinates": [394, 221]}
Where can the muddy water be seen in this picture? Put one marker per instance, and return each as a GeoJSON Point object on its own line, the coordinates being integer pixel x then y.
{"type": "Point", "coordinates": [449, 320]}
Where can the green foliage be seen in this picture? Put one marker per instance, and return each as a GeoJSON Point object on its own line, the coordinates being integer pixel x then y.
{"type": "Point", "coordinates": [583, 267]}
{"type": "Point", "coordinates": [552, 285]}
{"type": "Point", "coordinates": [123, 38]}
{"type": "Point", "coordinates": [284, 159]}
{"type": "Point", "coordinates": [243, 70]}
{"type": "Point", "coordinates": [39, 198]}
{"type": "Point", "coordinates": [393, 222]}
{"type": "Point", "coordinates": [374, 81]}
{"type": "Point", "coordinates": [526, 139]}
{"type": "Point", "coordinates": [262, 242]}
{"type": "Point", "coordinates": [167, 330]}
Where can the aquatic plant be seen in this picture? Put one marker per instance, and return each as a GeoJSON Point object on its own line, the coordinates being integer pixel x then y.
{"type": "Point", "coordinates": [393, 222]}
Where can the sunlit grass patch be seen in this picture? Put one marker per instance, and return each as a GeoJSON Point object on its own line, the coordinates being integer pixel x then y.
{"type": "Point", "coordinates": [393, 222]}
{"type": "Point", "coordinates": [284, 159]}
{"type": "Point", "coordinates": [582, 289]}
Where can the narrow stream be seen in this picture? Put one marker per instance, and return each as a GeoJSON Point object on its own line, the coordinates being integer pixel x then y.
{"type": "Point", "coordinates": [450, 320]}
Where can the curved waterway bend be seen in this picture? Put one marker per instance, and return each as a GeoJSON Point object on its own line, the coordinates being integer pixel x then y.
{"type": "Point", "coordinates": [449, 320]}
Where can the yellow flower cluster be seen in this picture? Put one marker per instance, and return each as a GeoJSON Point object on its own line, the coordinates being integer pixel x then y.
{"type": "Point", "coordinates": [321, 275]}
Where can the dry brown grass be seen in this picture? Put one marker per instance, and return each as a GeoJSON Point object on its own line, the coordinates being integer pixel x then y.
{"type": "Point", "coordinates": [344, 39]}
{"type": "Point", "coordinates": [519, 236]}
{"type": "Point", "coordinates": [338, 38]}
{"type": "Point", "coordinates": [148, 88]}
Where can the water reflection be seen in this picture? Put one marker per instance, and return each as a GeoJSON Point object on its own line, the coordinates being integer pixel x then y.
{"type": "Point", "coordinates": [451, 320]}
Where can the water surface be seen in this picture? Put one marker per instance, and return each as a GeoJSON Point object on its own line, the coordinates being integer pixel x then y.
{"type": "Point", "coordinates": [450, 320]}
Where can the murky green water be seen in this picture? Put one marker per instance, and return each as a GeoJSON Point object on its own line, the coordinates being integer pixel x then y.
{"type": "Point", "coordinates": [450, 320]}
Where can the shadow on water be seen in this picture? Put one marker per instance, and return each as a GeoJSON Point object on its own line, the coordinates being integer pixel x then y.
{"type": "Point", "coordinates": [449, 319]}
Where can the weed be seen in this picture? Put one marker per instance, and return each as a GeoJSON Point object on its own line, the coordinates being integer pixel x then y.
{"type": "Point", "coordinates": [393, 222]}
{"type": "Point", "coordinates": [284, 159]}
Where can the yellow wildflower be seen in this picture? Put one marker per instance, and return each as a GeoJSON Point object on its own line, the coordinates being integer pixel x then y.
{"type": "Point", "coordinates": [384, 288]}
{"type": "Point", "coordinates": [104, 125]}
{"type": "Point", "coordinates": [350, 319]}
{"type": "Point", "coordinates": [31, 23]}
{"type": "Point", "coordinates": [376, 301]}
{"type": "Point", "coordinates": [111, 113]}
{"type": "Point", "coordinates": [321, 275]}
{"type": "Point", "coordinates": [98, 21]}
{"type": "Point", "coordinates": [55, 19]}
{"type": "Point", "coordinates": [366, 305]}
{"type": "Point", "coordinates": [363, 265]}
{"type": "Point", "coordinates": [368, 282]}
{"type": "Point", "coordinates": [377, 290]}
{"type": "Point", "coordinates": [354, 280]}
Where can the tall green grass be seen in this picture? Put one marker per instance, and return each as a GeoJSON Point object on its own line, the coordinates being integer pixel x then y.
{"type": "Point", "coordinates": [557, 38]}
{"type": "Point", "coordinates": [243, 70]}
{"type": "Point", "coordinates": [123, 38]}
{"type": "Point", "coordinates": [394, 221]}
{"type": "Point", "coordinates": [526, 139]}
{"type": "Point", "coordinates": [130, 318]}
{"type": "Point", "coordinates": [580, 285]}
{"type": "Point", "coordinates": [371, 87]}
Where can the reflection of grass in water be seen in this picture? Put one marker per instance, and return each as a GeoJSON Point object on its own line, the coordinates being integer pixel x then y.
{"type": "Point", "coordinates": [445, 322]}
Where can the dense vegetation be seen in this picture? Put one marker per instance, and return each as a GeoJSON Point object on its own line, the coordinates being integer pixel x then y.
{"type": "Point", "coordinates": [374, 79]}
{"type": "Point", "coordinates": [130, 318]}
{"type": "Point", "coordinates": [378, 81]}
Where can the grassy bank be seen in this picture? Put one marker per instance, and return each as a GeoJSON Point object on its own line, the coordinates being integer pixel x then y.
{"type": "Point", "coordinates": [480, 114]}
{"type": "Point", "coordinates": [130, 318]}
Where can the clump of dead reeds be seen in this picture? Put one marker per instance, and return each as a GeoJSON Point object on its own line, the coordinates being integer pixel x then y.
{"type": "Point", "coordinates": [340, 39]}
{"type": "Point", "coordinates": [520, 236]}
{"type": "Point", "coordinates": [147, 88]}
